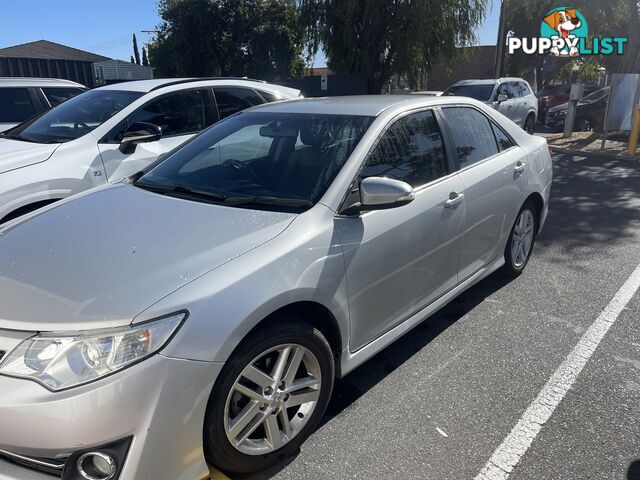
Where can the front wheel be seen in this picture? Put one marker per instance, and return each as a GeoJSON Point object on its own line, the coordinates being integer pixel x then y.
{"type": "Point", "coordinates": [530, 124]}
{"type": "Point", "coordinates": [520, 244]}
{"type": "Point", "coordinates": [269, 398]}
{"type": "Point", "coordinates": [584, 124]}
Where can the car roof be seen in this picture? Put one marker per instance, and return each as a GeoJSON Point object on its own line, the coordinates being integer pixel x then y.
{"type": "Point", "coordinates": [489, 81]}
{"type": "Point", "coordinates": [37, 82]}
{"type": "Point", "coordinates": [359, 105]}
{"type": "Point", "coordinates": [147, 86]}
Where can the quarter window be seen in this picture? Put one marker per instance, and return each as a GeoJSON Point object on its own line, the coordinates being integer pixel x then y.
{"type": "Point", "coordinates": [504, 142]}
{"type": "Point", "coordinates": [15, 105]}
{"type": "Point", "coordinates": [411, 150]}
{"type": "Point", "coordinates": [177, 114]}
{"type": "Point", "coordinates": [472, 135]}
{"type": "Point", "coordinates": [231, 100]}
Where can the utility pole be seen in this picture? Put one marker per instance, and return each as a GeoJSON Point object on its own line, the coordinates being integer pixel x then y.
{"type": "Point", "coordinates": [500, 44]}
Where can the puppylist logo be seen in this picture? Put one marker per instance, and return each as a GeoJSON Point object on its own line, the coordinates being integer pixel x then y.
{"type": "Point", "coordinates": [564, 32]}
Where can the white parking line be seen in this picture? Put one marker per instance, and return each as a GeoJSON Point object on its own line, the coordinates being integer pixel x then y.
{"type": "Point", "coordinates": [515, 445]}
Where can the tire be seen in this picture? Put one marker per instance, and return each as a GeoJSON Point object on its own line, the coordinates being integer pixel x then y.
{"type": "Point", "coordinates": [530, 124]}
{"type": "Point", "coordinates": [515, 261]}
{"type": "Point", "coordinates": [266, 409]}
{"type": "Point", "coordinates": [584, 124]}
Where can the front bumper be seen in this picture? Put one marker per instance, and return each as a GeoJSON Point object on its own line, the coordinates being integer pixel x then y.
{"type": "Point", "coordinates": [553, 121]}
{"type": "Point", "coordinates": [159, 402]}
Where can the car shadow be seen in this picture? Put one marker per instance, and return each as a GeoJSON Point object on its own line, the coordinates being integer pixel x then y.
{"type": "Point", "coordinates": [349, 389]}
{"type": "Point", "coordinates": [633, 472]}
{"type": "Point", "coordinates": [595, 201]}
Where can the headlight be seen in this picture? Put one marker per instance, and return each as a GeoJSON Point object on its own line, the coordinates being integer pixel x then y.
{"type": "Point", "coordinates": [61, 361]}
{"type": "Point", "coordinates": [561, 114]}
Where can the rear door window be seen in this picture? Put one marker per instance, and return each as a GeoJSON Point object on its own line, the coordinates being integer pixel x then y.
{"type": "Point", "coordinates": [231, 100]}
{"type": "Point", "coordinates": [16, 105]}
{"type": "Point", "coordinates": [472, 135]}
{"type": "Point", "coordinates": [57, 95]}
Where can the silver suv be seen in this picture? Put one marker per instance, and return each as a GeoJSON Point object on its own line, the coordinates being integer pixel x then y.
{"type": "Point", "coordinates": [202, 308]}
{"type": "Point", "coordinates": [513, 97]}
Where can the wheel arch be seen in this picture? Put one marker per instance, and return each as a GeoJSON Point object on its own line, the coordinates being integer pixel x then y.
{"type": "Point", "coordinates": [538, 201]}
{"type": "Point", "coordinates": [313, 313]}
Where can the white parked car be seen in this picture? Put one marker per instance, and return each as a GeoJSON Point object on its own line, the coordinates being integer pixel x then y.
{"type": "Point", "coordinates": [111, 132]}
{"type": "Point", "coordinates": [23, 98]}
{"type": "Point", "coordinates": [513, 97]}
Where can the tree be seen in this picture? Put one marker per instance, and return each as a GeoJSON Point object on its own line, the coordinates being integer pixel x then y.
{"type": "Point", "coordinates": [136, 52]}
{"type": "Point", "coordinates": [145, 59]}
{"type": "Point", "coordinates": [260, 38]}
{"type": "Point", "coordinates": [132, 60]}
{"type": "Point", "coordinates": [379, 38]}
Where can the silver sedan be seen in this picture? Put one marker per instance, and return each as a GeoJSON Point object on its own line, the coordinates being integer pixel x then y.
{"type": "Point", "coordinates": [199, 311]}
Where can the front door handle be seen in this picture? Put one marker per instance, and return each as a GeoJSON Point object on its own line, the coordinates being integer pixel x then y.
{"type": "Point", "coordinates": [520, 167]}
{"type": "Point", "coordinates": [454, 200]}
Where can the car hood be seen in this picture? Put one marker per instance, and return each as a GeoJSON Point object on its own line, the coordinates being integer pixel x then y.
{"type": "Point", "coordinates": [99, 260]}
{"type": "Point", "coordinates": [17, 154]}
{"type": "Point", "coordinates": [558, 108]}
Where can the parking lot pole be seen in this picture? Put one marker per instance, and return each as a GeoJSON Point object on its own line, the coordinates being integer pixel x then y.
{"type": "Point", "coordinates": [635, 131]}
{"type": "Point", "coordinates": [577, 92]}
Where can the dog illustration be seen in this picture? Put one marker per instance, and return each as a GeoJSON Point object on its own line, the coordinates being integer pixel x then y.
{"type": "Point", "coordinates": [564, 22]}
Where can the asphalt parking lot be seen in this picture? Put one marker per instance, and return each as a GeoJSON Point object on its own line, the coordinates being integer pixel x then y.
{"type": "Point", "coordinates": [439, 402]}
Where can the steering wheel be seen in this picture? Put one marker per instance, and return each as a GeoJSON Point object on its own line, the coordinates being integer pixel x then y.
{"type": "Point", "coordinates": [244, 167]}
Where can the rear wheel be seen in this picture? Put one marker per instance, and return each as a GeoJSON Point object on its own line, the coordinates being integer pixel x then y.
{"type": "Point", "coordinates": [530, 124]}
{"type": "Point", "coordinates": [269, 398]}
{"type": "Point", "coordinates": [521, 240]}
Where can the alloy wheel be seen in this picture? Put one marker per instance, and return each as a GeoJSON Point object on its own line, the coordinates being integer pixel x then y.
{"type": "Point", "coordinates": [522, 238]}
{"type": "Point", "coordinates": [272, 399]}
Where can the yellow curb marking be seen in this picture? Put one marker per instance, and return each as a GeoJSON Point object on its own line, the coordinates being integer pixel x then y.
{"type": "Point", "coordinates": [217, 474]}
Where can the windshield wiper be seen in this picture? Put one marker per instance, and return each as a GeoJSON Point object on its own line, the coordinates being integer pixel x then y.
{"type": "Point", "coordinates": [277, 201]}
{"type": "Point", "coordinates": [181, 189]}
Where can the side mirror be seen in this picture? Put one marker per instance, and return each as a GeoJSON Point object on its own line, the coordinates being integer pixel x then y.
{"type": "Point", "coordinates": [502, 98]}
{"type": "Point", "coordinates": [379, 193]}
{"type": "Point", "coordinates": [139, 132]}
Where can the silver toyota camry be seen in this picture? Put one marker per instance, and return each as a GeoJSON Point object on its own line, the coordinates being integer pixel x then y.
{"type": "Point", "coordinates": [199, 311]}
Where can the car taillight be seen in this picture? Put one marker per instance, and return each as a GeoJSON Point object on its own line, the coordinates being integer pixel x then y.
{"type": "Point", "coordinates": [550, 150]}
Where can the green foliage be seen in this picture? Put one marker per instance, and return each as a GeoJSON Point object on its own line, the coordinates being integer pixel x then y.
{"type": "Point", "coordinates": [380, 38]}
{"type": "Point", "coordinates": [132, 60]}
{"type": "Point", "coordinates": [136, 52]}
{"type": "Point", "coordinates": [257, 38]}
{"type": "Point", "coordinates": [145, 59]}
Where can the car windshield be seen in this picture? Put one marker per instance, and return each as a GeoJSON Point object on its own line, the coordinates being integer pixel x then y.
{"type": "Point", "coordinates": [596, 96]}
{"type": "Point", "coordinates": [263, 159]}
{"type": "Point", "coordinates": [479, 92]}
{"type": "Point", "coordinates": [73, 118]}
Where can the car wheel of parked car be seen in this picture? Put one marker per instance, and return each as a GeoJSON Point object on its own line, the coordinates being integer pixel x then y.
{"type": "Point", "coordinates": [269, 398]}
{"type": "Point", "coordinates": [530, 124]}
{"type": "Point", "coordinates": [523, 236]}
{"type": "Point", "coordinates": [584, 124]}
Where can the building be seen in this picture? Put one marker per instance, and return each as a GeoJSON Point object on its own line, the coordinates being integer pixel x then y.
{"type": "Point", "coordinates": [111, 71]}
{"type": "Point", "coordinates": [47, 59]}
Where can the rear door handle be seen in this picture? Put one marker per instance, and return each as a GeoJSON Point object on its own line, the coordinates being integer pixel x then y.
{"type": "Point", "coordinates": [454, 200]}
{"type": "Point", "coordinates": [520, 167]}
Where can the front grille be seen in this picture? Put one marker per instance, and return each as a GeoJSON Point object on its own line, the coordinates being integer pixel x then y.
{"type": "Point", "coordinates": [53, 467]}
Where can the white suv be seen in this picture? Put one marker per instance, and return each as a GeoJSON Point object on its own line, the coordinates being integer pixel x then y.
{"type": "Point", "coordinates": [23, 98]}
{"type": "Point", "coordinates": [513, 97]}
{"type": "Point", "coordinates": [111, 132]}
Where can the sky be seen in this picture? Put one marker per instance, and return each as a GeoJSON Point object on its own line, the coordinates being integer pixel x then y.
{"type": "Point", "coordinates": [106, 27]}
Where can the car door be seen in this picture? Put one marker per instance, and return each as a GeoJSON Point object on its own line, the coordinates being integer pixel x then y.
{"type": "Point", "coordinates": [508, 107]}
{"type": "Point", "coordinates": [493, 179]}
{"type": "Point", "coordinates": [400, 260]}
{"type": "Point", "coordinates": [179, 114]}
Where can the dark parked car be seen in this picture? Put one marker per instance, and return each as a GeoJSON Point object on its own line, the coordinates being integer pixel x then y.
{"type": "Point", "coordinates": [553, 95]}
{"type": "Point", "coordinates": [589, 113]}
